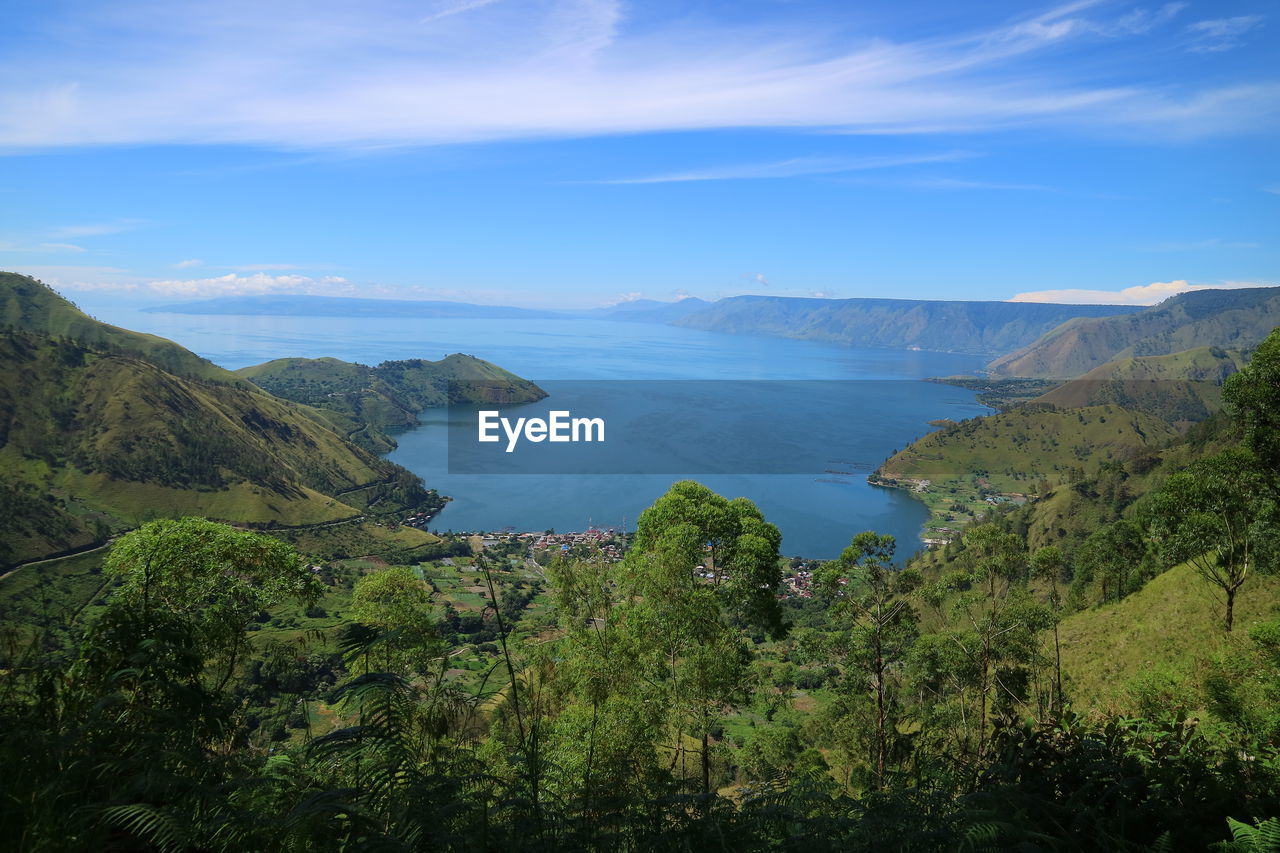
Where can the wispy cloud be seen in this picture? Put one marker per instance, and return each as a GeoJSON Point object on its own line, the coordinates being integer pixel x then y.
{"type": "Point", "coordinates": [1145, 294]}
{"type": "Point", "coordinates": [955, 184]}
{"type": "Point", "coordinates": [1199, 245]}
{"type": "Point", "coordinates": [187, 264]}
{"type": "Point", "coordinates": [55, 240]}
{"type": "Point", "coordinates": [1215, 36]}
{"type": "Point", "coordinates": [263, 267]}
{"type": "Point", "coordinates": [82, 278]}
{"type": "Point", "coordinates": [455, 7]}
{"type": "Point", "coordinates": [41, 248]}
{"type": "Point", "coordinates": [375, 74]}
{"type": "Point", "coordinates": [795, 167]}
{"type": "Point", "coordinates": [96, 229]}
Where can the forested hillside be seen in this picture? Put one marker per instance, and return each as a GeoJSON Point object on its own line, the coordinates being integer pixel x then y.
{"type": "Point", "coordinates": [366, 401]}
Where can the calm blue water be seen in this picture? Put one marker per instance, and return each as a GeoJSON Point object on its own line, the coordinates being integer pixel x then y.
{"type": "Point", "coordinates": [817, 518]}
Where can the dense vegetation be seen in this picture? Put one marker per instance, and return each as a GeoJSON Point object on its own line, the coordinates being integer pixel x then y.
{"type": "Point", "coordinates": [369, 400]}
{"type": "Point", "coordinates": [1096, 668]}
{"type": "Point", "coordinates": [227, 696]}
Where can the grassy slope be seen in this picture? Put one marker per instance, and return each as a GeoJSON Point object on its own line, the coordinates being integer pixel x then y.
{"type": "Point", "coordinates": [28, 305]}
{"type": "Point", "coordinates": [1016, 452]}
{"type": "Point", "coordinates": [88, 416]}
{"type": "Point", "coordinates": [1172, 625]}
{"type": "Point", "coordinates": [1226, 318]}
{"type": "Point", "coordinates": [1013, 451]}
{"type": "Point", "coordinates": [1127, 411]}
{"type": "Point", "coordinates": [1181, 388]}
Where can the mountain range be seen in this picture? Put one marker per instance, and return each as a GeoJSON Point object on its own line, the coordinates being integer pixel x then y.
{"type": "Point", "coordinates": [1025, 339]}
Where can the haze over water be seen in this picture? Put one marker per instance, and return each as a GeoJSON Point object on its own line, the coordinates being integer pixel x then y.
{"type": "Point", "coordinates": [817, 516]}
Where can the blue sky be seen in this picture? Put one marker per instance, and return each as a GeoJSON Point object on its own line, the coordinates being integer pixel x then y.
{"type": "Point", "coordinates": [580, 152]}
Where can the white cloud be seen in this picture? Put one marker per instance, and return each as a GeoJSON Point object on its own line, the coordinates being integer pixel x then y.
{"type": "Point", "coordinates": [187, 264]}
{"type": "Point", "coordinates": [82, 278]}
{"type": "Point", "coordinates": [359, 76]}
{"type": "Point", "coordinates": [1146, 294]}
{"type": "Point", "coordinates": [623, 298]}
{"type": "Point", "coordinates": [262, 267]}
{"type": "Point", "coordinates": [256, 284]}
{"type": "Point", "coordinates": [1221, 34]}
{"type": "Point", "coordinates": [795, 167]}
{"type": "Point", "coordinates": [42, 248]}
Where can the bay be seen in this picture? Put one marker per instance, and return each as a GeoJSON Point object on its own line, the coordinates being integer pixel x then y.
{"type": "Point", "coordinates": [888, 407]}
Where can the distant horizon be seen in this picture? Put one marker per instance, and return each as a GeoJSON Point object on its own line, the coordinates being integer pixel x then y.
{"type": "Point", "coordinates": [144, 301]}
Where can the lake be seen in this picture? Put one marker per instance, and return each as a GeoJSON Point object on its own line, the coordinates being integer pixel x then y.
{"type": "Point", "coordinates": [882, 406]}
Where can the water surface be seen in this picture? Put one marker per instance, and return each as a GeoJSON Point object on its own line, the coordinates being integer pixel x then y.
{"type": "Point", "coordinates": [817, 514]}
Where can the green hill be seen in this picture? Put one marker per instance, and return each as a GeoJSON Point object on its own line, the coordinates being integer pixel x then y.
{"type": "Point", "coordinates": [962, 470]}
{"type": "Point", "coordinates": [1120, 416]}
{"type": "Point", "coordinates": [1181, 388]}
{"type": "Point", "coordinates": [987, 328]}
{"type": "Point", "coordinates": [1235, 319]}
{"type": "Point", "coordinates": [101, 428]}
{"type": "Point", "coordinates": [28, 305]}
{"type": "Point", "coordinates": [368, 400]}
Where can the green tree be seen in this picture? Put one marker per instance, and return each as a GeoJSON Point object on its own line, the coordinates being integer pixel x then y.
{"type": "Point", "coordinates": [988, 651]}
{"type": "Point", "coordinates": [1218, 515]}
{"type": "Point", "coordinates": [398, 603]}
{"type": "Point", "coordinates": [1112, 557]}
{"type": "Point", "coordinates": [1252, 397]}
{"type": "Point", "coordinates": [877, 626]}
{"type": "Point", "coordinates": [1047, 565]}
{"type": "Point", "coordinates": [217, 577]}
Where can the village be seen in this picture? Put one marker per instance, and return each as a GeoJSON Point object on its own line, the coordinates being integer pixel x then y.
{"type": "Point", "coordinates": [537, 548]}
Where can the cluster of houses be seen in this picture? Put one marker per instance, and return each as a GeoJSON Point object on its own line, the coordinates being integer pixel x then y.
{"type": "Point", "coordinates": [799, 583]}
{"type": "Point", "coordinates": [418, 519]}
{"type": "Point", "coordinates": [606, 540]}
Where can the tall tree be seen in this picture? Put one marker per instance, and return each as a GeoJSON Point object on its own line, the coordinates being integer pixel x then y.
{"type": "Point", "coordinates": [878, 626]}
{"type": "Point", "coordinates": [986, 652]}
{"type": "Point", "coordinates": [691, 620]}
{"type": "Point", "coordinates": [1047, 565]}
{"type": "Point", "coordinates": [1219, 516]}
